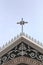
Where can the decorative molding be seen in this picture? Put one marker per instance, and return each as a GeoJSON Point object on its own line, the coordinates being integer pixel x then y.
{"type": "Point", "coordinates": [22, 49]}
{"type": "Point", "coordinates": [22, 59]}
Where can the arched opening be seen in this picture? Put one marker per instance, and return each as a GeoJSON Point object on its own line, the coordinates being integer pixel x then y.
{"type": "Point", "coordinates": [22, 64]}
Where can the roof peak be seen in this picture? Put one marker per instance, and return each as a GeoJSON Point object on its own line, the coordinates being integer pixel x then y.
{"type": "Point", "coordinates": [17, 37]}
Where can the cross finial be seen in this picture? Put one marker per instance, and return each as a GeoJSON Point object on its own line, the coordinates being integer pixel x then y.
{"type": "Point", "coordinates": [22, 19]}
{"type": "Point", "coordinates": [22, 22]}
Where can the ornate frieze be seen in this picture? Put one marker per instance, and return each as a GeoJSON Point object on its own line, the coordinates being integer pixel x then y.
{"type": "Point", "coordinates": [23, 60]}
{"type": "Point", "coordinates": [21, 50]}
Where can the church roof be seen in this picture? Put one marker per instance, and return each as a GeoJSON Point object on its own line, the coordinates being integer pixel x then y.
{"type": "Point", "coordinates": [19, 38]}
{"type": "Point", "coordinates": [22, 45]}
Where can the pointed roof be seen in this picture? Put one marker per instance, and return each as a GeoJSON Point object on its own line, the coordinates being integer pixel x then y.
{"type": "Point", "coordinates": [22, 45]}
{"type": "Point", "coordinates": [22, 37]}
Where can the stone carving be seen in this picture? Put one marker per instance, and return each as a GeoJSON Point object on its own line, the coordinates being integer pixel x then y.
{"type": "Point", "coordinates": [21, 50]}
{"type": "Point", "coordinates": [24, 60]}
{"type": "Point", "coordinates": [22, 47]}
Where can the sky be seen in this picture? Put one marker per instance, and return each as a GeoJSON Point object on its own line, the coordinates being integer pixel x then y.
{"type": "Point", "coordinates": [11, 12]}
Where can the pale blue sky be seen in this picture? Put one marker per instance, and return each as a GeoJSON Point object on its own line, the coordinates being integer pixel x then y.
{"type": "Point", "coordinates": [11, 11]}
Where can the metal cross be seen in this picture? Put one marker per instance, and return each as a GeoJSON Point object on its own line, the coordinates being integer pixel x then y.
{"type": "Point", "coordinates": [22, 22]}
